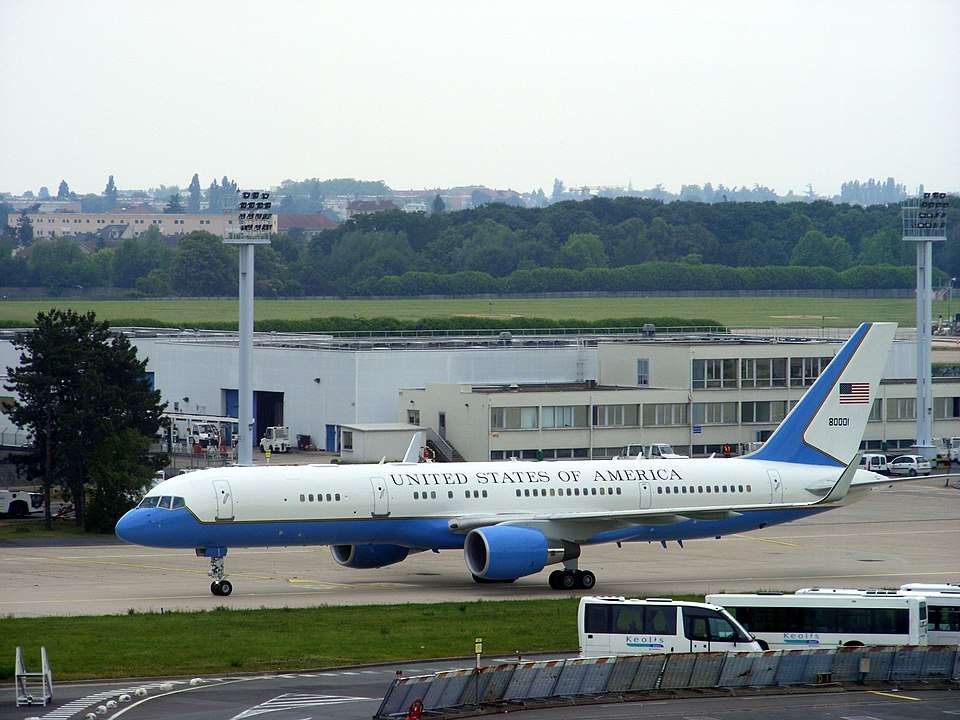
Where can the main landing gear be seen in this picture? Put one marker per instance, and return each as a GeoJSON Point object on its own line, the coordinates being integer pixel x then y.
{"type": "Point", "coordinates": [220, 586]}
{"type": "Point", "coordinates": [572, 580]}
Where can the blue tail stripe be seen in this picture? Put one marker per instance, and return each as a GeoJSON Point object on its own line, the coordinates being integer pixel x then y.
{"type": "Point", "coordinates": [787, 444]}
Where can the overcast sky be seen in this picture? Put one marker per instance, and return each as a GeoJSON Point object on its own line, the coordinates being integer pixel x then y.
{"type": "Point", "coordinates": [434, 93]}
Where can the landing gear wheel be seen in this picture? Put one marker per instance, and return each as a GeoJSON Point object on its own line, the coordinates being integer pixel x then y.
{"type": "Point", "coordinates": [556, 579]}
{"type": "Point", "coordinates": [568, 580]}
{"type": "Point", "coordinates": [221, 587]}
{"type": "Point", "coordinates": [587, 580]}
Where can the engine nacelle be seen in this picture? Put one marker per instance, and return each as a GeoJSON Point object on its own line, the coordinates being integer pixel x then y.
{"type": "Point", "coordinates": [507, 552]}
{"type": "Point", "coordinates": [363, 557]}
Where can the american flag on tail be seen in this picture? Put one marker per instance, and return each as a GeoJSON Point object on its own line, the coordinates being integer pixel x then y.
{"type": "Point", "coordinates": [854, 393]}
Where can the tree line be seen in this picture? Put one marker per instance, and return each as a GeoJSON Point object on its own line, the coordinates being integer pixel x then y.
{"type": "Point", "coordinates": [612, 244]}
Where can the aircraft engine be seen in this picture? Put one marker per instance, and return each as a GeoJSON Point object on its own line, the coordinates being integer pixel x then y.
{"type": "Point", "coordinates": [506, 552]}
{"type": "Point", "coordinates": [362, 557]}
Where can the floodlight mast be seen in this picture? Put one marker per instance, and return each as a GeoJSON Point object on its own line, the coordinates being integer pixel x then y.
{"type": "Point", "coordinates": [250, 223]}
{"type": "Point", "coordinates": [924, 222]}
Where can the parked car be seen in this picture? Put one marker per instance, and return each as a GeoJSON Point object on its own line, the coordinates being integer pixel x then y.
{"type": "Point", "coordinates": [875, 462]}
{"type": "Point", "coordinates": [910, 465]}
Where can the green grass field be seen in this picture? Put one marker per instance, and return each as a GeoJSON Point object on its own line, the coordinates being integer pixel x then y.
{"type": "Point", "coordinates": [229, 641]}
{"type": "Point", "coordinates": [734, 312]}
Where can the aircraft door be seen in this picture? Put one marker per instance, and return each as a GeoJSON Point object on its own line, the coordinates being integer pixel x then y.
{"type": "Point", "coordinates": [381, 497]}
{"type": "Point", "coordinates": [224, 501]}
{"type": "Point", "coordinates": [776, 486]}
{"type": "Point", "coordinates": [645, 496]}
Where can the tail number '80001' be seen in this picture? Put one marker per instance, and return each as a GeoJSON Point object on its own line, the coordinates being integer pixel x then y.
{"type": "Point", "coordinates": [838, 422]}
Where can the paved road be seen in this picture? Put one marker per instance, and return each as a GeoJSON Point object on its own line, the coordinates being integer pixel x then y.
{"type": "Point", "coordinates": [356, 694]}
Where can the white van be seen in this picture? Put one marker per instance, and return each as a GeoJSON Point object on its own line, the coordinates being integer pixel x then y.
{"type": "Point", "coordinates": [618, 626]}
{"type": "Point", "coordinates": [874, 462]}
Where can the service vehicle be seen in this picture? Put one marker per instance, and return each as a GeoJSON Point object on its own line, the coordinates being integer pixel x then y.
{"type": "Point", "coordinates": [875, 462]}
{"type": "Point", "coordinates": [276, 438]}
{"type": "Point", "coordinates": [810, 620]}
{"type": "Point", "coordinates": [655, 451]}
{"type": "Point", "coordinates": [910, 465]}
{"type": "Point", "coordinates": [19, 503]}
{"type": "Point", "coordinates": [626, 626]}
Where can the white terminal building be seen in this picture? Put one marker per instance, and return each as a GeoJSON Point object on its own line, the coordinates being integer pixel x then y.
{"type": "Point", "coordinates": [527, 396]}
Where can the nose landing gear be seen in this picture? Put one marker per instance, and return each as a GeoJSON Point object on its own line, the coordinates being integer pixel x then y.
{"type": "Point", "coordinates": [219, 586]}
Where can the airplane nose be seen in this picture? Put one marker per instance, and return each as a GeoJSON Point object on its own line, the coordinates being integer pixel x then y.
{"type": "Point", "coordinates": [130, 528]}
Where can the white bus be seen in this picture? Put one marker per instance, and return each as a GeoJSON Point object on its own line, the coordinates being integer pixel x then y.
{"type": "Point", "coordinates": [943, 611]}
{"type": "Point", "coordinates": [943, 607]}
{"type": "Point", "coordinates": [829, 619]}
{"type": "Point", "coordinates": [620, 626]}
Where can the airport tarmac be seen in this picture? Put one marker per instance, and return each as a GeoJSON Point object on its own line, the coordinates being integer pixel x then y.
{"type": "Point", "coordinates": [908, 533]}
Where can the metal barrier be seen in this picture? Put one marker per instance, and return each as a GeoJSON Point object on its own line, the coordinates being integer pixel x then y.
{"type": "Point", "coordinates": [557, 680]}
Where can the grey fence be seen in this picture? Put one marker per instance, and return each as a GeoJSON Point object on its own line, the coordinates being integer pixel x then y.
{"type": "Point", "coordinates": [545, 680]}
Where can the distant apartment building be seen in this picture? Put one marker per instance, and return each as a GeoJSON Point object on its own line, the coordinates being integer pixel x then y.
{"type": "Point", "coordinates": [120, 226]}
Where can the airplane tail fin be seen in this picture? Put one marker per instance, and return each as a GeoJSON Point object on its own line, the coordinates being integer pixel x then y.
{"type": "Point", "coordinates": [827, 425]}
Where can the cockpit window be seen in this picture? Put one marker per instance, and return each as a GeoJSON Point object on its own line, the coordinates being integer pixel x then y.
{"type": "Point", "coordinates": [167, 502]}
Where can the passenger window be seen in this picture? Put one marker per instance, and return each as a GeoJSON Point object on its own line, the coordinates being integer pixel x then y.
{"type": "Point", "coordinates": [683, 488]}
{"type": "Point", "coordinates": [450, 494]}
{"type": "Point", "coordinates": [311, 497]}
{"type": "Point", "coordinates": [416, 495]}
{"type": "Point", "coordinates": [748, 488]}
{"type": "Point", "coordinates": [329, 497]}
{"type": "Point", "coordinates": [303, 498]}
{"type": "Point", "coordinates": [337, 497]}
{"type": "Point", "coordinates": [484, 493]}
{"type": "Point", "coordinates": [708, 488]}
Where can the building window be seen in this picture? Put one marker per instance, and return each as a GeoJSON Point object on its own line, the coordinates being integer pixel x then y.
{"type": "Point", "coordinates": [803, 371]}
{"type": "Point", "coordinates": [769, 411]}
{"type": "Point", "coordinates": [945, 408]}
{"type": "Point", "coordinates": [657, 414]}
{"type": "Point", "coordinates": [717, 413]}
{"type": "Point", "coordinates": [513, 418]}
{"type": "Point", "coordinates": [413, 417]}
{"type": "Point", "coordinates": [643, 372]}
{"type": "Point", "coordinates": [901, 409]}
{"type": "Point", "coordinates": [876, 412]}
{"type": "Point", "coordinates": [714, 373]}
{"type": "Point", "coordinates": [615, 415]}
{"type": "Point", "coordinates": [346, 439]}
{"type": "Point", "coordinates": [563, 416]}
{"type": "Point", "coordinates": [763, 372]}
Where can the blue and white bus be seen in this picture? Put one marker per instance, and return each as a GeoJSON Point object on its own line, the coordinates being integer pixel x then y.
{"type": "Point", "coordinates": [818, 619]}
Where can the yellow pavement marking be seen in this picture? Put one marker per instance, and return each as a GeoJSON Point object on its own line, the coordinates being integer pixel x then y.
{"type": "Point", "coordinates": [898, 697]}
{"type": "Point", "coordinates": [198, 571]}
{"type": "Point", "coordinates": [775, 542]}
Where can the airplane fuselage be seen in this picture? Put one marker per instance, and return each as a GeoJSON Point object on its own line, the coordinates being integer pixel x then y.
{"type": "Point", "coordinates": [430, 506]}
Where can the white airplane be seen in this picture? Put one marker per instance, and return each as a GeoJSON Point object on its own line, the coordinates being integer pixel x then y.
{"type": "Point", "coordinates": [512, 519]}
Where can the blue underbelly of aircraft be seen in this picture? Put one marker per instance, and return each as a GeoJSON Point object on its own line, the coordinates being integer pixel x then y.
{"type": "Point", "coordinates": [180, 529]}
